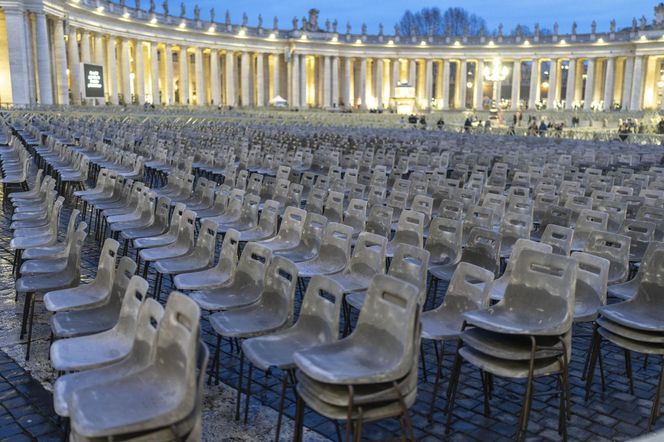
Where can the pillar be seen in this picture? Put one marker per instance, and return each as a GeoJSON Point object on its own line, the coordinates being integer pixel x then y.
{"type": "Point", "coordinates": [200, 77]}
{"type": "Point", "coordinates": [627, 83]}
{"type": "Point", "coordinates": [43, 60]}
{"type": "Point", "coordinates": [534, 84]}
{"type": "Point", "coordinates": [609, 83]}
{"type": "Point", "coordinates": [112, 63]}
{"type": "Point", "coordinates": [139, 72]}
{"type": "Point", "coordinates": [245, 72]}
{"type": "Point", "coordinates": [428, 85]}
{"type": "Point", "coordinates": [571, 83]}
{"type": "Point", "coordinates": [260, 80]}
{"type": "Point", "coordinates": [99, 50]}
{"type": "Point", "coordinates": [637, 84]}
{"type": "Point", "coordinates": [17, 46]}
{"type": "Point", "coordinates": [412, 73]}
{"type": "Point", "coordinates": [346, 86]}
{"type": "Point", "coordinates": [335, 81]}
{"type": "Point", "coordinates": [303, 81]}
{"type": "Point", "coordinates": [327, 82]}
{"type": "Point", "coordinates": [276, 76]}
{"type": "Point", "coordinates": [516, 84]}
{"type": "Point", "coordinates": [445, 92]}
{"type": "Point", "coordinates": [478, 90]}
{"type": "Point", "coordinates": [553, 84]}
{"type": "Point", "coordinates": [394, 78]}
{"type": "Point", "coordinates": [169, 89]}
{"type": "Point", "coordinates": [74, 66]}
{"type": "Point", "coordinates": [363, 83]}
{"type": "Point", "coordinates": [378, 82]}
{"type": "Point", "coordinates": [86, 54]}
{"type": "Point", "coordinates": [183, 89]}
{"type": "Point", "coordinates": [230, 79]}
{"type": "Point", "coordinates": [154, 74]}
{"type": "Point", "coordinates": [215, 79]}
{"type": "Point", "coordinates": [590, 85]}
{"type": "Point", "coordinates": [60, 56]}
{"type": "Point", "coordinates": [126, 71]}
{"type": "Point", "coordinates": [463, 88]}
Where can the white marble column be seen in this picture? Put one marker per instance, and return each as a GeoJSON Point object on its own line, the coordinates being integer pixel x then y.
{"type": "Point", "coordinates": [74, 66]}
{"type": "Point", "coordinates": [169, 88]}
{"type": "Point", "coordinates": [183, 90]}
{"type": "Point", "coordinates": [112, 63]}
{"type": "Point", "coordinates": [304, 81]}
{"type": "Point", "coordinates": [479, 85]}
{"type": "Point", "coordinates": [378, 82]}
{"type": "Point", "coordinates": [553, 84]}
{"type": "Point", "coordinates": [31, 58]}
{"type": "Point", "coordinates": [347, 92]}
{"type": "Point", "coordinates": [245, 72]}
{"type": "Point", "coordinates": [637, 84]}
{"type": "Point", "coordinates": [534, 84]}
{"type": "Point", "coordinates": [215, 78]}
{"type": "Point", "coordinates": [334, 86]}
{"type": "Point", "coordinates": [463, 84]}
{"type": "Point", "coordinates": [609, 81]}
{"type": "Point", "coordinates": [139, 72]}
{"type": "Point", "coordinates": [43, 60]}
{"type": "Point", "coordinates": [99, 50]}
{"type": "Point", "coordinates": [230, 79]}
{"type": "Point", "coordinates": [428, 82]}
{"type": "Point", "coordinates": [154, 73]}
{"type": "Point", "coordinates": [295, 81]}
{"type": "Point", "coordinates": [590, 85]}
{"type": "Point", "coordinates": [327, 83]}
{"type": "Point", "coordinates": [394, 78]}
{"type": "Point", "coordinates": [516, 84]}
{"type": "Point", "coordinates": [412, 73]}
{"type": "Point", "coordinates": [571, 83]}
{"type": "Point", "coordinates": [627, 83]}
{"type": "Point", "coordinates": [200, 77]}
{"type": "Point", "coordinates": [126, 70]}
{"type": "Point", "coordinates": [445, 91]}
{"type": "Point", "coordinates": [260, 80]}
{"type": "Point", "coordinates": [276, 76]}
{"type": "Point", "coordinates": [86, 53]}
{"type": "Point", "coordinates": [60, 56]}
{"type": "Point", "coordinates": [18, 50]}
{"type": "Point", "coordinates": [363, 83]}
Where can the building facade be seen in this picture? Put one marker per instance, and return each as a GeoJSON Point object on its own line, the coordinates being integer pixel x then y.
{"type": "Point", "coordinates": [151, 56]}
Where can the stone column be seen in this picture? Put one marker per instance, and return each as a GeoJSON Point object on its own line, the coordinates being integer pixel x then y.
{"type": "Point", "coordinates": [215, 79]}
{"type": "Point", "coordinates": [169, 89]}
{"type": "Point", "coordinates": [245, 72]}
{"type": "Point", "coordinates": [74, 66]}
{"type": "Point", "coordinates": [99, 50]}
{"type": "Point", "coordinates": [86, 55]}
{"type": "Point", "coordinates": [627, 83]}
{"type": "Point", "coordinates": [346, 86]}
{"type": "Point", "coordinates": [516, 84]}
{"type": "Point", "coordinates": [295, 81]}
{"type": "Point", "coordinates": [139, 72]}
{"type": "Point", "coordinates": [260, 80]}
{"type": "Point", "coordinates": [276, 76]}
{"type": "Point", "coordinates": [154, 73]}
{"type": "Point", "coordinates": [363, 83]}
{"type": "Point", "coordinates": [412, 73]}
{"type": "Point", "coordinates": [304, 81]}
{"type": "Point", "coordinates": [230, 79]}
{"type": "Point", "coordinates": [126, 70]}
{"type": "Point", "coordinates": [609, 82]}
{"type": "Point", "coordinates": [200, 77]}
{"type": "Point", "coordinates": [335, 81]}
{"type": "Point", "coordinates": [327, 83]}
{"type": "Point", "coordinates": [112, 63]}
{"type": "Point", "coordinates": [31, 58]}
{"type": "Point", "coordinates": [571, 83]}
{"type": "Point", "coordinates": [478, 90]}
{"type": "Point", "coordinates": [394, 78]}
{"type": "Point", "coordinates": [428, 85]}
{"type": "Point", "coordinates": [534, 84]}
{"type": "Point", "coordinates": [60, 56]}
{"type": "Point", "coordinates": [378, 82]}
{"type": "Point", "coordinates": [637, 84]}
{"type": "Point", "coordinates": [445, 92]}
{"type": "Point", "coordinates": [19, 52]}
{"type": "Point", "coordinates": [463, 88]}
{"type": "Point", "coordinates": [553, 84]}
{"type": "Point", "coordinates": [590, 85]}
{"type": "Point", "coordinates": [43, 60]}
{"type": "Point", "coordinates": [183, 90]}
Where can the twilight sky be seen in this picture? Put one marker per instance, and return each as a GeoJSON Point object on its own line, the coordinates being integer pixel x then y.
{"type": "Point", "coordinates": [373, 12]}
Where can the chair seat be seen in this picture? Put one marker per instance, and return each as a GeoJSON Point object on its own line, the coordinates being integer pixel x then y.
{"type": "Point", "coordinates": [41, 266]}
{"type": "Point", "coordinates": [509, 368]}
{"type": "Point", "coordinates": [440, 326]}
{"type": "Point", "coordinates": [165, 252]}
{"type": "Point", "coordinates": [73, 323]}
{"type": "Point", "coordinates": [510, 321]}
{"type": "Point", "coordinates": [206, 279]}
{"type": "Point", "coordinates": [28, 242]}
{"type": "Point", "coordinates": [640, 316]}
{"type": "Point", "coordinates": [277, 349]}
{"type": "Point", "coordinates": [253, 320]}
{"type": "Point", "coordinates": [255, 234]}
{"type": "Point", "coordinates": [586, 303]}
{"type": "Point", "coordinates": [512, 347]}
{"type": "Point", "coordinates": [631, 344]}
{"type": "Point", "coordinates": [625, 290]}
{"type": "Point", "coordinates": [182, 264]}
{"type": "Point", "coordinates": [228, 297]}
{"type": "Point", "coordinates": [83, 296]}
{"type": "Point", "coordinates": [87, 352]}
{"type": "Point", "coordinates": [154, 241]}
{"type": "Point", "coordinates": [444, 272]}
{"type": "Point", "coordinates": [630, 333]}
{"type": "Point", "coordinates": [46, 282]}
{"type": "Point", "coordinates": [144, 232]}
{"type": "Point", "coordinates": [356, 299]}
{"type": "Point", "coordinates": [46, 252]}
{"type": "Point", "coordinates": [326, 264]}
{"type": "Point", "coordinates": [352, 282]}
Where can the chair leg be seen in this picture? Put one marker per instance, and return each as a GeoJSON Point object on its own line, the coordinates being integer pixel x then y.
{"type": "Point", "coordinates": [30, 324]}
{"type": "Point", "coordinates": [424, 363]}
{"type": "Point", "coordinates": [594, 353]}
{"type": "Point", "coordinates": [452, 388]}
{"type": "Point", "coordinates": [26, 312]}
{"type": "Point", "coordinates": [239, 388]}
{"type": "Point", "coordinates": [215, 361]}
{"type": "Point", "coordinates": [248, 393]}
{"type": "Point", "coordinates": [299, 419]}
{"type": "Point", "coordinates": [284, 385]}
{"type": "Point", "coordinates": [658, 398]}
{"type": "Point", "coordinates": [436, 383]}
{"type": "Point", "coordinates": [527, 401]}
{"type": "Point", "coordinates": [485, 390]}
{"type": "Point", "coordinates": [628, 370]}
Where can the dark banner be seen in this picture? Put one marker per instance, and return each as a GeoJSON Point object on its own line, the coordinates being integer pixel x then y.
{"type": "Point", "coordinates": [93, 76]}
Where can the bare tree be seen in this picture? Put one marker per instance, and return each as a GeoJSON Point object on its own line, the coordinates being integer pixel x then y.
{"type": "Point", "coordinates": [454, 21]}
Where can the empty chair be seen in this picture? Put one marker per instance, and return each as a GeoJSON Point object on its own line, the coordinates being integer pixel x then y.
{"type": "Point", "coordinates": [334, 207]}
{"type": "Point", "coordinates": [310, 242]}
{"type": "Point", "coordinates": [290, 231]}
{"type": "Point", "coordinates": [183, 244]}
{"type": "Point", "coordinates": [591, 285]}
{"type": "Point", "coordinates": [613, 247]}
{"type": "Point", "coordinates": [248, 215]}
{"type": "Point", "coordinates": [410, 230]}
{"type": "Point", "coordinates": [168, 237]}
{"type": "Point", "coordinates": [513, 226]}
{"type": "Point", "coordinates": [477, 216]}
{"type": "Point", "coordinates": [379, 221]}
{"type": "Point", "coordinates": [367, 261]}
{"type": "Point", "coordinates": [588, 221]}
{"type": "Point", "coordinates": [499, 285]}
{"type": "Point", "coordinates": [641, 234]}
{"type": "Point", "coordinates": [267, 224]}
{"type": "Point", "coordinates": [356, 216]}
{"type": "Point", "coordinates": [334, 254]}
{"type": "Point", "coordinates": [222, 273]}
{"type": "Point", "coordinates": [627, 290]}
{"type": "Point", "coordinates": [558, 237]}
{"type": "Point", "coordinates": [483, 249]}
{"type": "Point", "coordinates": [444, 246]}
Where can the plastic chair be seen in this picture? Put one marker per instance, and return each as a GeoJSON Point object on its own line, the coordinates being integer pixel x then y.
{"type": "Point", "coordinates": [183, 244]}
{"type": "Point", "coordinates": [559, 238]}
{"type": "Point", "coordinates": [410, 230]}
{"type": "Point", "coordinates": [627, 290]}
{"type": "Point", "coordinates": [591, 285]}
{"type": "Point", "coordinates": [290, 232]}
{"type": "Point", "coordinates": [613, 247]}
{"type": "Point", "coordinates": [514, 226]}
{"type": "Point", "coordinates": [500, 285]}
{"type": "Point", "coordinates": [483, 249]}
{"type": "Point", "coordinates": [334, 254]}
{"type": "Point", "coordinates": [641, 234]}
{"type": "Point", "coordinates": [310, 242]}
{"type": "Point", "coordinates": [588, 221]}
{"type": "Point", "coordinates": [356, 216]}
{"type": "Point", "coordinates": [379, 221]}
{"type": "Point", "coordinates": [267, 224]}
{"type": "Point", "coordinates": [367, 261]}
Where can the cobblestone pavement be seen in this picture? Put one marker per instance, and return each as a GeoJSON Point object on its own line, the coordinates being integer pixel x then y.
{"type": "Point", "coordinates": [26, 411]}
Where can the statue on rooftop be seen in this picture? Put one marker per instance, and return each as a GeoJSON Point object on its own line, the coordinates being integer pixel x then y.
{"type": "Point", "coordinates": [574, 26]}
{"type": "Point", "coordinates": [260, 21]}
{"type": "Point", "coordinates": [634, 24]}
{"type": "Point", "coordinates": [327, 25]}
{"type": "Point", "coordinates": [517, 30]}
{"type": "Point", "coordinates": [612, 25]}
{"type": "Point", "coordinates": [593, 27]}
{"type": "Point", "coordinates": [122, 3]}
{"type": "Point", "coordinates": [555, 28]}
{"type": "Point", "coordinates": [275, 23]}
{"type": "Point", "coordinates": [138, 5]}
{"type": "Point", "coordinates": [537, 30]}
{"type": "Point", "coordinates": [642, 25]}
{"type": "Point", "coordinates": [245, 19]}
{"type": "Point", "coordinates": [212, 14]}
{"type": "Point", "coordinates": [348, 28]}
{"type": "Point", "coordinates": [295, 22]}
{"type": "Point", "coordinates": [228, 18]}
{"type": "Point", "coordinates": [397, 30]}
{"type": "Point", "coordinates": [313, 20]}
{"type": "Point", "coordinates": [335, 25]}
{"type": "Point", "coordinates": [500, 30]}
{"type": "Point", "coordinates": [380, 29]}
{"type": "Point", "coordinates": [364, 29]}
{"type": "Point", "coordinates": [182, 10]}
{"type": "Point", "coordinates": [152, 7]}
{"type": "Point", "coordinates": [165, 6]}
{"type": "Point", "coordinates": [197, 12]}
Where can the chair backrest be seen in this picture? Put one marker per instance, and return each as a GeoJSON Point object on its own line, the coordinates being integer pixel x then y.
{"type": "Point", "coordinates": [558, 237]}
{"type": "Point", "coordinates": [228, 256]}
{"type": "Point", "coordinates": [519, 246]}
{"type": "Point", "coordinates": [321, 308]}
{"type": "Point", "coordinates": [380, 220]}
{"type": "Point", "coordinates": [254, 261]}
{"type": "Point", "coordinates": [314, 225]}
{"type": "Point", "coordinates": [613, 247]}
{"type": "Point", "coordinates": [451, 209]}
{"type": "Point", "coordinates": [269, 216]}
{"type": "Point", "coordinates": [424, 205]}
{"type": "Point", "coordinates": [337, 236]}
{"type": "Point", "coordinates": [411, 264]}
{"type": "Point", "coordinates": [444, 241]}
{"type": "Point", "coordinates": [106, 267]}
{"type": "Point", "coordinates": [410, 228]}
{"type": "Point", "coordinates": [334, 207]}
{"type": "Point", "coordinates": [593, 273]}
{"type": "Point", "coordinates": [369, 254]}
{"type": "Point", "coordinates": [542, 287]}
{"type": "Point", "coordinates": [280, 284]}
{"type": "Point", "coordinates": [483, 249]}
{"type": "Point", "coordinates": [176, 218]}
{"type": "Point", "coordinates": [469, 289]}
{"type": "Point", "coordinates": [292, 223]}
{"type": "Point", "coordinates": [653, 275]}
{"type": "Point", "coordinates": [134, 296]}
{"type": "Point", "coordinates": [144, 347]}
{"type": "Point", "coordinates": [590, 220]}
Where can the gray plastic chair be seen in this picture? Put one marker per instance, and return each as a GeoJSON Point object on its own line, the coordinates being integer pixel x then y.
{"type": "Point", "coordinates": [641, 234]}
{"type": "Point", "coordinates": [267, 224]}
{"type": "Point", "coordinates": [627, 290]}
{"type": "Point", "coordinates": [233, 210]}
{"type": "Point", "coordinates": [483, 249]}
{"type": "Point", "coordinates": [613, 247]}
{"type": "Point", "coordinates": [183, 244]}
{"type": "Point", "coordinates": [247, 283]}
{"type": "Point", "coordinates": [410, 230]}
{"type": "Point", "coordinates": [290, 232]}
{"type": "Point", "coordinates": [379, 221]}
{"type": "Point", "coordinates": [158, 224]}
{"type": "Point", "coordinates": [588, 221]}
{"type": "Point", "coordinates": [217, 276]}
{"type": "Point", "coordinates": [92, 294]}
{"type": "Point", "coordinates": [248, 215]}
{"type": "Point", "coordinates": [89, 320]}
{"type": "Point", "coordinates": [356, 216]}
{"type": "Point", "coordinates": [558, 237]}
{"type": "Point", "coordinates": [477, 216]}
{"type": "Point", "coordinates": [310, 242]}
{"type": "Point", "coordinates": [334, 254]}
{"type": "Point", "coordinates": [176, 364]}
{"type": "Point", "coordinates": [513, 226]}
{"type": "Point", "coordinates": [500, 285]}
{"type": "Point", "coordinates": [591, 285]}
{"type": "Point", "coordinates": [167, 237]}
{"type": "Point", "coordinates": [96, 350]}
{"type": "Point", "coordinates": [61, 248]}
{"type": "Point", "coordinates": [334, 207]}
{"type": "Point", "coordinates": [367, 261]}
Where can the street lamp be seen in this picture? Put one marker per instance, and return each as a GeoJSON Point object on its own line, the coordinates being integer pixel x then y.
{"type": "Point", "coordinates": [495, 73]}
